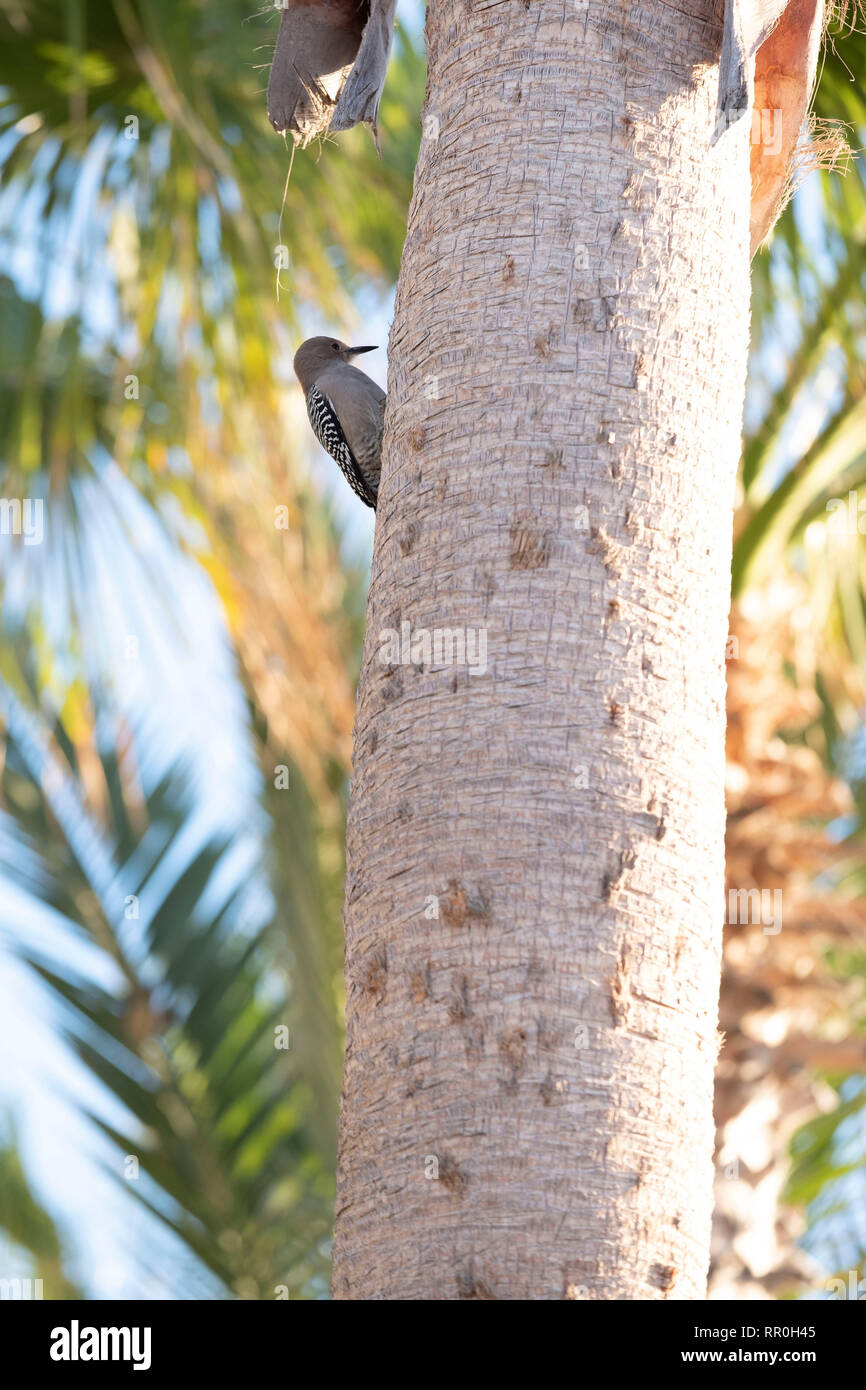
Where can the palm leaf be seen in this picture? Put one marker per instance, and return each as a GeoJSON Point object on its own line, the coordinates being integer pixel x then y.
{"type": "Point", "coordinates": [217, 1116]}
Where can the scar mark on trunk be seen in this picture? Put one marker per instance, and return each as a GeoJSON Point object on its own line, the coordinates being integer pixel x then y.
{"type": "Point", "coordinates": [660, 815]}
{"type": "Point", "coordinates": [460, 908]}
{"type": "Point", "coordinates": [530, 550]}
{"type": "Point", "coordinates": [372, 975]}
{"type": "Point", "coordinates": [392, 685]}
{"type": "Point", "coordinates": [620, 992]}
{"type": "Point", "coordinates": [553, 1090]}
{"type": "Point", "coordinates": [618, 714]}
{"type": "Point", "coordinates": [459, 1007]}
{"type": "Point", "coordinates": [613, 883]}
{"type": "Point", "coordinates": [599, 314]}
{"type": "Point", "coordinates": [663, 1276]}
{"type": "Point", "coordinates": [512, 1048]}
{"type": "Point", "coordinates": [419, 985]}
{"type": "Point", "coordinates": [553, 460]}
{"type": "Point", "coordinates": [452, 1177]}
{"type": "Point", "coordinates": [600, 543]}
{"type": "Point", "coordinates": [468, 1284]}
{"type": "Point", "coordinates": [407, 538]}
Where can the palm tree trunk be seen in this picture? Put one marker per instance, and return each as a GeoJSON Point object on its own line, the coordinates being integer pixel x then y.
{"type": "Point", "coordinates": [535, 846]}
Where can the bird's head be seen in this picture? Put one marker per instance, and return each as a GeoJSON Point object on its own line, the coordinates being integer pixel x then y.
{"type": "Point", "coordinates": [316, 354]}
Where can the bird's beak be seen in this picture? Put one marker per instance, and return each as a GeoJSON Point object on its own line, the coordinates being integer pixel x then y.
{"type": "Point", "coordinates": [353, 352]}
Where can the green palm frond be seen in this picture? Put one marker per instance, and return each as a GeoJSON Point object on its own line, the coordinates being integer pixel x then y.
{"type": "Point", "coordinates": [32, 1229]}
{"type": "Point", "coordinates": [140, 321]}
{"type": "Point", "coordinates": [196, 1036]}
{"type": "Point", "coordinates": [160, 104]}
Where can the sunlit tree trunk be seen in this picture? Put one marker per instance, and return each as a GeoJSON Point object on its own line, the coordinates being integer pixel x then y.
{"type": "Point", "coordinates": [535, 865]}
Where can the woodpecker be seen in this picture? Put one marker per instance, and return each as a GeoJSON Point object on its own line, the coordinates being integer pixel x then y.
{"type": "Point", "coordinates": [346, 410]}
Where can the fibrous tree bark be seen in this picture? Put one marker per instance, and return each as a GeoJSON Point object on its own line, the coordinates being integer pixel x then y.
{"type": "Point", "coordinates": [535, 847]}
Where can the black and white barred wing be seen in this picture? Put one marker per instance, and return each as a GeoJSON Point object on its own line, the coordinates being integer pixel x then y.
{"type": "Point", "coordinates": [329, 432]}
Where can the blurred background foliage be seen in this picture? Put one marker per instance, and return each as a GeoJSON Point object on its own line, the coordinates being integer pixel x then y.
{"type": "Point", "coordinates": [177, 663]}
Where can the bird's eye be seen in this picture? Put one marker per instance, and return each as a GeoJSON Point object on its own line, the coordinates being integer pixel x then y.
{"type": "Point", "coordinates": [336, 347]}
